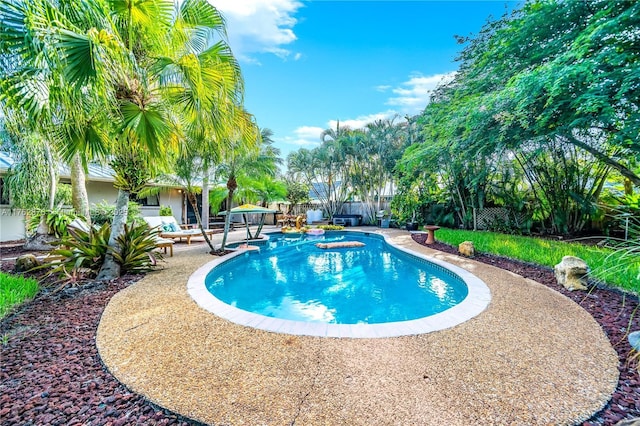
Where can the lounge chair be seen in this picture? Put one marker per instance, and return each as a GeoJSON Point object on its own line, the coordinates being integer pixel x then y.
{"type": "Point", "coordinates": [170, 229]}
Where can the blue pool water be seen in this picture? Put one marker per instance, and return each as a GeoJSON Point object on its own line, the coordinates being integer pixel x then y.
{"type": "Point", "coordinates": [290, 278]}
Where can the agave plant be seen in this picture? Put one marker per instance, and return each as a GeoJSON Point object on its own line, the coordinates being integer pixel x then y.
{"type": "Point", "coordinates": [137, 245]}
{"type": "Point", "coordinates": [81, 253]}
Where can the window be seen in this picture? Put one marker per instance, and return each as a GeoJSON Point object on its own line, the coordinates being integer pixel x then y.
{"type": "Point", "coordinates": [149, 201]}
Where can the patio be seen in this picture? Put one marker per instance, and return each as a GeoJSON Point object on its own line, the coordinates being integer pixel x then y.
{"type": "Point", "coordinates": [525, 360]}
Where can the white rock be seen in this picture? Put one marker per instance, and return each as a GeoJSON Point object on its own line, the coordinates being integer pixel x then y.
{"type": "Point", "coordinates": [571, 273]}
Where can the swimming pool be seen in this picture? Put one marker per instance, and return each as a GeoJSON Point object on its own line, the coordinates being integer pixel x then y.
{"type": "Point", "coordinates": [378, 290]}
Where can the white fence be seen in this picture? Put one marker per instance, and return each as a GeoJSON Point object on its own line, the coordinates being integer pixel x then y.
{"type": "Point", "coordinates": [367, 212]}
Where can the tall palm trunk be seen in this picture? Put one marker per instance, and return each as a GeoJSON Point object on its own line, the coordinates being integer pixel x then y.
{"type": "Point", "coordinates": [79, 196]}
{"type": "Point", "coordinates": [232, 185]}
{"type": "Point", "coordinates": [41, 240]}
{"type": "Point", "coordinates": [52, 175]}
{"type": "Point", "coordinates": [110, 268]}
{"type": "Point", "coordinates": [205, 198]}
{"type": "Point", "coordinates": [191, 196]}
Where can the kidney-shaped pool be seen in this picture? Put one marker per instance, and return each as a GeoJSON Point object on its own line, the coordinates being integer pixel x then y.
{"type": "Point", "coordinates": [314, 285]}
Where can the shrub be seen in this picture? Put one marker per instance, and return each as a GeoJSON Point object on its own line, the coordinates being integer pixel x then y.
{"type": "Point", "coordinates": [136, 246]}
{"type": "Point", "coordinates": [83, 253]}
{"type": "Point", "coordinates": [331, 227]}
{"type": "Point", "coordinates": [165, 211]}
{"type": "Point", "coordinates": [103, 212]}
{"type": "Point", "coordinates": [57, 221]}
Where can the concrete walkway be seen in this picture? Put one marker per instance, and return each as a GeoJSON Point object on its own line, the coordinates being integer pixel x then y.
{"type": "Point", "coordinates": [533, 357]}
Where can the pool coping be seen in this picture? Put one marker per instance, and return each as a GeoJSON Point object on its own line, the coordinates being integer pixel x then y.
{"type": "Point", "coordinates": [477, 300]}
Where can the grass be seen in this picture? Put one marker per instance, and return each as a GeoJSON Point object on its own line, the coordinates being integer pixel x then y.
{"type": "Point", "coordinates": [615, 267]}
{"type": "Point", "coordinates": [15, 290]}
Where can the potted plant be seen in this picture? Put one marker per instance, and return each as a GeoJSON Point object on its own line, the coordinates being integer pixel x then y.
{"type": "Point", "coordinates": [384, 217]}
{"type": "Point", "coordinates": [412, 225]}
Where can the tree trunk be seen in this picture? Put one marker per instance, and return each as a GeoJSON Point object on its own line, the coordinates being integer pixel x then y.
{"type": "Point", "coordinates": [41, 240]}
{"type": "Point", "coordinates": [205, 198]}
{"type": "Point", "coordinates": [79, 196]}
{"type": "Point", "coordinates": [260, 225]}
{"type": "Point", "coordinates": [110, 269]}
{"type": "Point", "coordinates": [246, 222]}
{"type": "Point", "coordinates": [227, 221]}
{"type": "Point", "coordinates": [194, 204]}
{"type": "Point", "coordinates": [624, 171]}
{"type": "Point", "coordinates": [53, 177]}
{"type": "Point", "coordinates": [231, 187]}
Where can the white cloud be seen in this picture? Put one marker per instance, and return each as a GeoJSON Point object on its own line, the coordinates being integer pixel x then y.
{"type": "Point", "coordinates": [259, 26]}
{"type": "Point", "coordinates": [304, 137]}
{"type": "Point", "coordinates": [363, 120]}
{"type": "Point", "coordinates": [413, 95]}
{"type": "Point", "coordinates": [383, 88]}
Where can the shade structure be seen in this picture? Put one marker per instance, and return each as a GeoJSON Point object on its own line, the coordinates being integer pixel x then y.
{"type": "Point", "coordinates": [249, 208]}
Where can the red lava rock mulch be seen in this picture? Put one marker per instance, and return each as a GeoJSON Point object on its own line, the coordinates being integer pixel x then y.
{"type": "Point", "coordinates": [610, 308]}
{"type": "Point", "coordinates": [51, 372]}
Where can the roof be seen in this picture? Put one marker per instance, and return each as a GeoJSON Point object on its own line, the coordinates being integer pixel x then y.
{"type": "Point", "coordinates": [96, 172]}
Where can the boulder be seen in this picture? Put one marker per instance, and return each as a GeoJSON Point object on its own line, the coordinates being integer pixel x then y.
{"type": "Point", "coordinates": [571, 273]}
{"type": "Point", "coordinates": [466, 248]}
{"type": "Point", "coordinates": [26, 262]}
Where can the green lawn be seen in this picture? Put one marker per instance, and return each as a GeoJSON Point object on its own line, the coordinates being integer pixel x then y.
{"type": "Point", "coordinates": [15, 290]}
{"type": "Point", "coordinates": [615, 268]}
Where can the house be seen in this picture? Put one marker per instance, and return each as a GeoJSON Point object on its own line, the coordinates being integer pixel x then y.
{"type": "Point", "coordinates": [99, 181]}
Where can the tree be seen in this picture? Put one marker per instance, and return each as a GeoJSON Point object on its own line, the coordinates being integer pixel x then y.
{"type": "Point", "coordinates": [187, 169]}
{"type": "Point", "coordinates": [545, 95]}
{"type": "Point", "coordinates": [297, 192]}
{"type": "Point", "coordinates": [130, 59]}
{"type": "Point", "coordinates": [565, 69]}
{"type": "Point", "coordinates": [376, 154]}
{"type": "Point", "coordinates": [242, 155]}
{"type": "Point", "coordinates": [33, 83]}
{"type": "Point", "coordinates": [325, 169]}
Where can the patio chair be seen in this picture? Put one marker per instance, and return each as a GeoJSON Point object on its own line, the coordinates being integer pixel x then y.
{"type": "Point", "coordinates": [170, 229]}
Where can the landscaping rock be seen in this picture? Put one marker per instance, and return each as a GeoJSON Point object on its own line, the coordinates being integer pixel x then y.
{"type": "Point", "coordinates": [571, 273]}
{"type": "Point", "coordinates": [634, 340]}
{"type": "Point", "coordinates": [466, 248]}
{"type": "Point", "coordinates": [26, 262]}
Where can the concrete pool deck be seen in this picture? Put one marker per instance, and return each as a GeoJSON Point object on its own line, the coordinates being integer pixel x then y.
{"type": "Point", "coordinates": [532, 357]}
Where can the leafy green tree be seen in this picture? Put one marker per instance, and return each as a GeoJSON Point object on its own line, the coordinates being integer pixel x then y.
{"type": "Point", "coordinates": [544, 95]}
{"type": "Point", "coordinates": [556, 69]}
{"type": "Point", "coordinates": [297, 193]}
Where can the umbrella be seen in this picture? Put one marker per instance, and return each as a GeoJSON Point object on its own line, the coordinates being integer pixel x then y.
{"type": "Point", "coordinates": [251, 208]}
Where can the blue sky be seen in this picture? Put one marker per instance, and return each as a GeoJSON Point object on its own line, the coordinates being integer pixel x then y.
{"type": "Point", "coordinates": [308, 64]}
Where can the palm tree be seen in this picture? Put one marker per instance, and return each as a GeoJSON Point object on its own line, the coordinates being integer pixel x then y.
{"type": "Point", "coordinates": [134, 61]}
{"type": "Point", "coordinates": [34, 85]}
{"type": "Point", "coordinates": [243, 159]}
